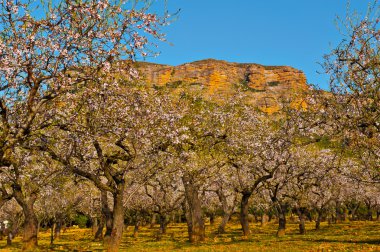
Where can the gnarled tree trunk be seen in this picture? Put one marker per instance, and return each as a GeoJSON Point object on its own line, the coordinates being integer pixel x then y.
{"type": "Point", "coordinates": [112, 241]}
{"type": "Point", "coordinates": [99, 230]}
{"type": "Point", "coordinates": [30, 235]}
{"type": "Point", "coordinates": [281, 209]}
{"type": "Point", "coordinates": [302, 217]}
{"type": "Point", "coordinates": [95, 225]}
{"type": "Point", "coordinates": [107, 213]}
{"type": "Point", "coordinates": [163, 223]}
{"type": "Point", "coordinates": [194, 218]}
{"type": "Point", "coordinates": [153, 220]}
{"type": "Point", "coordinates": [368, 204]}
{"type": "Point", "coordinates": [244, 213]}
{"type": "Point", "coordinates": [30, 240]}
{"type": "Point", "coordinates": [338, 215]}
{"type": "Point", "coordinates": [57, 229]}
{"type": "Point", "coordinates": [9, 239]}
{"type": "Point", "coordinates": [227, 212]}
{"type": "Point", "coordinates": [319, 219]}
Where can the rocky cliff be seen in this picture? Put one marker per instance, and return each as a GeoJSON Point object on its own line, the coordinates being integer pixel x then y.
{"type": "Point", "coordinates": [266, 84]}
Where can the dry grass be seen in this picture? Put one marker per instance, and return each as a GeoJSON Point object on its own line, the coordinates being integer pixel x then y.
{"type": "Point", "coordinates": [350, 236]}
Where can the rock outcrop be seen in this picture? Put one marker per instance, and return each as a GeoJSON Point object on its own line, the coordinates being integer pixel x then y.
{"type": "Point", "coordinates": [267, 84]}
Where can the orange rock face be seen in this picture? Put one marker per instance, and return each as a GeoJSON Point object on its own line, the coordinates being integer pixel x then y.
{"type": "Point", "coordinates": [266, 83]}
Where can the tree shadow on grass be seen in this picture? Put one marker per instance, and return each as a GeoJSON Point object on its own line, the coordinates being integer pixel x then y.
{"type": "Point", "coordinates": [370, 242]}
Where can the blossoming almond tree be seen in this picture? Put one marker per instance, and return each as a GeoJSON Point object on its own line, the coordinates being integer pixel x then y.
{"type": "Point", "coordinates": [256, 149]}
{"type": "Point", "coordinates": [166, 194]}
{"type": "Point", "coordinates": [354, 69]}
{"type": "Point", "coordinates": [46, 50]}
{"type": "Point", "coordinates": [195, 149]}
{"type": "Point", "coordinates": [113, 141]}
{"type": "Point", "coordinates": [222, 186]}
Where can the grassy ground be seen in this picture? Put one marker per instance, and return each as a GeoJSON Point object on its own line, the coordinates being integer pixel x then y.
{"type": "Point", "coordinates": [350, 236]}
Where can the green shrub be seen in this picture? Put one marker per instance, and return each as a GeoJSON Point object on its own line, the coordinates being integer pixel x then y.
{"type": "Point", "coordinates": [81, 220]}
{"type": "Point", "coordinates": [273, 83]}
{"type": "Point", "coordinates": [174, 84]}
{"type": "Point", "coordinates": [243, 85]}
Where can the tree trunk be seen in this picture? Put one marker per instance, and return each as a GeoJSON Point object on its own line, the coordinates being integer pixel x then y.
{"type": "Point", "coordinates": [281, 209]}
{"type": "Point", "coordinates": [338, 217]}
{"type": "Point", "coordinates": [353, 212]}
{"type": "Point", "coordinates": [136, 229]}
{"type": "Point", "coordinates": [8, 234]}
{"type": "Point", "coordinates": [2, 233]}
{"type": "Point", "coordinates": [369, 215]}
{"type": "Point", "coordinates": [99, 231]}
{"type": "Point", "coordinates": [345, 215]}
{"type": "Point", "coordinates": [38, 226]}
{"type": "Point", "coordinates": [30, 240]}
{"type": "Point", "coordinates": [153, 220]}
{"type": "Point", "coordinates": [57, 230]}
{"type": "Point", "coordinates": [212, 218]}
{"type": "Point", "coordinates": [302, 217]}
{"type": "Point", "coordinates": [227, 212]}
{"type": "Point", "coordinates": [369, 210]}
{"type": "Point", "coordinates": [163, 223]}
{"type": "Point", "coordinates": [264, 219]}
{"type": "Point", "coordinates": [318, 220]}
{"type": "Point", "coordinates": [194, 218]}
{"type": "Point", "coordinates": [107, 214]}
{"type": "Point", "coordinates": [309, 216]}
{"type": "Point", "coordinates": [244, 213]}
{"type": "Point", "coordinates": [270, 217]}
{"type": "Point", "coordinates": [9, 238]}
{"type": "Point", "coordinates": [222, 225]}
{"type": "Point", "coordinates": [112, 241]}
{"type": "Point", "coordinates": [30, 230]}
{"type": "Point", "coordinates": [30, 234]}
{"type": "Point", "coordinates": [95, 225]}
{"type": "Point", "coordinates": [52, 227]}
{"type": "Point", "coordinates": [281, 225]}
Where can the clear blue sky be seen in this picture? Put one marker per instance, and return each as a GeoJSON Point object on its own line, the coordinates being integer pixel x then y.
{"type": "Point", "coordinates": [296, 33]}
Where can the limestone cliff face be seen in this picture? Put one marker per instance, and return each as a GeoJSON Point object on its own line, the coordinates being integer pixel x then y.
{"type": "Point", "coordinates": [266, 83]}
